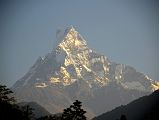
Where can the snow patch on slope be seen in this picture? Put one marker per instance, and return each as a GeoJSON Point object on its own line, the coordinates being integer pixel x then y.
{"type": "Point", "coordinates": [134, 85]}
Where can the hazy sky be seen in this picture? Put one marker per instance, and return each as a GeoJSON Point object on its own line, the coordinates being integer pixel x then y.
{"type": "Point", "coordinates": [125, 31]}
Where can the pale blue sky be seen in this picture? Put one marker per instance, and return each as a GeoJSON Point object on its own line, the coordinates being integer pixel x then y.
{"type": "Point", "coordinates": [126, 31]}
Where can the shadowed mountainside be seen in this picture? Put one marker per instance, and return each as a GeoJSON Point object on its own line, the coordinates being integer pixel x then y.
{"type": "Point", "coordinates": [38, 110]}
{"type": "Point", "coordinates": [73, 71]}
{"type": "Point", "coordinates": [144, 108]}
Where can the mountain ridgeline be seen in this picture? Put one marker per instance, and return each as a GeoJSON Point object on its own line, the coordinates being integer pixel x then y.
{"type": "Point", "coordinates": [73, 71]}
{"type": "Point", "coordinates": [144, 108]}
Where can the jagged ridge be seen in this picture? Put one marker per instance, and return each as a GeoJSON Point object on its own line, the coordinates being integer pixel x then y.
{"type": "Point", "coordinates": [74, 71]}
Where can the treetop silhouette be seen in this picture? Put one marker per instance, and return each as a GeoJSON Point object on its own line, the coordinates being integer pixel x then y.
{"type": "Point", "coordinates": [74, 112]}
{"type": "Point", "coordinates": [5, 94]}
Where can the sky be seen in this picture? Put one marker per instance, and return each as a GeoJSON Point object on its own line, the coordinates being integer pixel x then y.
{"type": "Point", "coordinates": [126, 31]}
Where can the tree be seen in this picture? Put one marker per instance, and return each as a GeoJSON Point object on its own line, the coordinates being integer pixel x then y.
{"type": "Point", "coordinates": [74, 112]}
{"type": "Point", "coordinates": [27, 112]}
{"type": "Point", "coordinates": [123, 117]}
{"type": "Point", "coordinates": [8, 109]}
{"type": "Point", "coordinates": [5, 95]}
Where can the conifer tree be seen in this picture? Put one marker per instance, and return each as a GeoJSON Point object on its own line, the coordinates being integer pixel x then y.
{"type": "Point", "coordinates": [74, 112]}
{"type": "Point", "coordinates": [28, 112]}
{"type": "Point", "coordinates": [5, 94]}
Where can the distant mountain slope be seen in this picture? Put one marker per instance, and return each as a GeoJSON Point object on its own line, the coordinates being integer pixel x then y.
{"type": "Point", "coordinates": [73, 71]}
{"type": "Point", "coordinates": [144, 108]}
{"type": "Point", "coordinates": [38, 110]}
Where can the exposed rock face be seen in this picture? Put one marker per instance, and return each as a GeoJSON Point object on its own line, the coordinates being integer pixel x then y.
{"type": "Point", "coordinates": [74, 71]}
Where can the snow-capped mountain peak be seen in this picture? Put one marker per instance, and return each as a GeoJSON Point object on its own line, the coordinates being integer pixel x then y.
{"type": "Point", "coordinates": [77, 60]}
{"type": "Point", "coordinates": [74, 71]}
{"type": "Point", "coordinates": [72, 60]}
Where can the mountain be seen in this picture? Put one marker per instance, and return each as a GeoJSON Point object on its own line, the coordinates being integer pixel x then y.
{"type": "Point", "coordinates": [144, 108]}
{"type": "Point", "coordinates": [74, 71]}
{"type": "Point", "coordinates": [38, 110]}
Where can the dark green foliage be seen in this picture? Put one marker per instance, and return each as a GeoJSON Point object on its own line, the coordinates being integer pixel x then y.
{"type": "Point", "coordinates": [5, 94]}
{"type": "Point", "coordinates": [74, 112]}
{"type": "Point", "coordinates": [10, 111]}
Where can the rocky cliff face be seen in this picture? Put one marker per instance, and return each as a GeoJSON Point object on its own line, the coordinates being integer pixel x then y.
{"type": "Point", "coordinates": [74, 71]}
